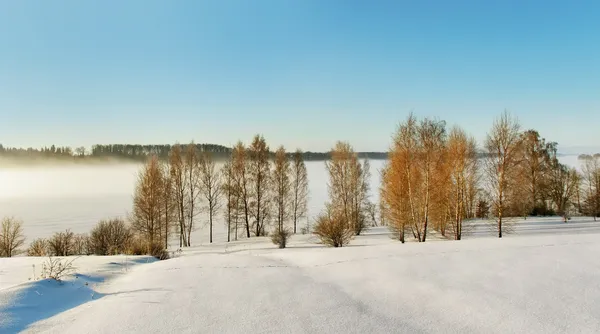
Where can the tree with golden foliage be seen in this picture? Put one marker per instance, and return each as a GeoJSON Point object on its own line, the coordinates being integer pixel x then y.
{"type": "Point", "coordinates": [462, 167]}
{"type": "Point", "coordinates": [259, 164]}
{"type": "Point", "coordinates": [332, 228]}
{"type": "Point", "coordinates": [393, 194]}
{"type": "Point", "coordinates": [11, 237]}
{"type": "Point", "coordinates": [147, 202]}
{"type": "Point", "coordinates": [240, 165]}
{"type": "Point", "coordinates": [502, 144]}
{"type": "Point", "coordinates": [211, 187]}
{"type": "Point", "coordinates": [413, 174]}
{"type": "Point", "coordinates": [299, 179]}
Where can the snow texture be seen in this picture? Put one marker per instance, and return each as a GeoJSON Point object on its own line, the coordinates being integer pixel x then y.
{"type": "Point", "coordinates": [528, 282]}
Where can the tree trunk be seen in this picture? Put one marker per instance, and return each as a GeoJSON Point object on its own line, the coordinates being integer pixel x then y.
{"type": "Point", "coordinates": [210, 216]}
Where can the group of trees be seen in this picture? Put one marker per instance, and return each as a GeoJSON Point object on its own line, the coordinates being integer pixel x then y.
{"type": "Point", "coordinates": [254, 190]}
{"type": "Point", "coordinates": [437, 179]}
{"type": "Point", "coordinates": [260, 192]}
{"type": "Point", "coordinates": [349, 208]}
{"type": "Point", "coordinates": [430, 179]}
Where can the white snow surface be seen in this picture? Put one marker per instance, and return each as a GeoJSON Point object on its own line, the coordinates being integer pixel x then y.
{"type": "Point", "coordinates": [526, 282]}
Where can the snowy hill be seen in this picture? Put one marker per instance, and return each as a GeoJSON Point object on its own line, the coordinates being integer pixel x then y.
{"type": "Point", "coordinates": [524, 283]}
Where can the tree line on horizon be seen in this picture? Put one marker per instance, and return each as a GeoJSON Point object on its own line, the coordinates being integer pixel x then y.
{"type": "Point", "coordinates": [141, 153]}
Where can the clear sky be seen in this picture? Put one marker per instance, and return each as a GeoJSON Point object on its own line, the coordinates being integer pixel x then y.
{"type": "Point", "coordinates": [304, 73]}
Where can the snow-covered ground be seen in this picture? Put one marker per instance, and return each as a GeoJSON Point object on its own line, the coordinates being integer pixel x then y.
{"type": "Point", "coordinates": [543, 278]}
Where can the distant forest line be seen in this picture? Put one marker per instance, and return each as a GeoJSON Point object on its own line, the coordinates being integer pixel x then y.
{"type": "Point", "coordinates": [133, 152]}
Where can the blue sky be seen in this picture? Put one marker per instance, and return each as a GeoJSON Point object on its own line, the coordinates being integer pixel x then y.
{"type": "Point", "coordinates": [303, 73]}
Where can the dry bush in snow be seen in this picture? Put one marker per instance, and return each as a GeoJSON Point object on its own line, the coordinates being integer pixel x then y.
{"type": "Point", "coordinates": [81, 245]}
{"type": "Point", "coordinates": [11, 237]}
{"type": "Point", "coordinates": [332, 228]}
{"type": "Point", "coordinates": [110, 237]}
{"type": "Point", "coordinates": [61, 243]}
{"type": "Point", "coordinates": [280, 237]}
{"type": "Point", "coordinates": [57, 269]}
{"type": "Point", "coordinates": [38, 247]}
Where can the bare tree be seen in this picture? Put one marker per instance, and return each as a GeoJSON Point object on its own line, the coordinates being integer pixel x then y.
{"type": "Point", "coordinates": [258, 153]}
{"type": "Point", "coordinates": [360, 187]}
{"type": "Point", "coordinates": [230, 193]}
{"type": "Point", "coordinates": [147, 202]}
{"type": "Point", "coordinates": [11, 237]}
{"type": "Point", "coordinates": [535, 158]}
{"type": "Point", "coordinates": [169, 204]}
{"type": "Point", "coordinates": [61, 243]}
{"type": "Point", "coordinates": [299, 188]}
{"type": "Point", "coordinates": [562, 186]}
{"type": "Point", "coordinates": [280, 179]}
{"type": "Point", "coordinates": [179, 181]}
{"type": "Point", "coordinates": [193, 188]}
{"type": "Point", "coordinates": [211, 188]}
{"type": "Point", "coordinates": [502, 145]}
{"type": "Point", "coordinates": [591, 180]}
{"type": "Point", "coordinates": [282, 187]}
{"type": "Point", "coordinates": [242, 184]}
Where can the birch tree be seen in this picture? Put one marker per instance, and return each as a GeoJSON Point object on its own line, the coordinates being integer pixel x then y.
{"type": "Point", "coordinates": [299, 177]}
{"type": "Point", "coordinates": [591, 181]}
{"type": "Point", "coordinates": [242, 183]}
{"type": "Point", "coordinates": [193, 189]}
{"type": "Point", "coordinates": [502, 145]}
{"type": "Point", "coordinates": [258, 154]}
{"type": "Point", "coordinates": [462, 163]}
{"type": "Point", "coordinates": [211, 188]}
{"type": "Point", "coordinates": [147, 202]}
{"type": "Point", "coordinates": [179, 181]}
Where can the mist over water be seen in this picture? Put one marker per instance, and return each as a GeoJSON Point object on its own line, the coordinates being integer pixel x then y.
{"type": "Point", "coordinates": [52, 198]}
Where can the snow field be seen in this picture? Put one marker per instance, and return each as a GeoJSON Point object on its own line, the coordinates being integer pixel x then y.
{"type": "Point", "coordinates": [522, 283]}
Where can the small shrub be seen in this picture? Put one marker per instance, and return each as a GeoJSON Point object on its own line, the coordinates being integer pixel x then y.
{"type": "Point", "coordinates": [81, 245]}
{"type": "Point", "coordinates": [158, 250]}
{"type": "Point", "coordinates": [280, 237]}
{"type": "Point", "coordinates": [61, 243]}
{"type": "Point", "coordinates": [11, 237]}
{"type": "Point", "coordinates": [332, 229]}
{"type": "Point", "coordinates": [38, 247]}
{"type": "Point", "coordinates": [110, 237]}
{"type": "Point", "coordinates": [137, 246]}
{"type": "Point", "coordinates": [56, 268]}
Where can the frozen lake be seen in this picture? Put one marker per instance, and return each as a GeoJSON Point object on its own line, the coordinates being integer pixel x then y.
{"type": "Point", "coordinates": [53, 198]}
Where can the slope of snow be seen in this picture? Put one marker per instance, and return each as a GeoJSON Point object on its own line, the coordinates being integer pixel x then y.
{"type": "Point", "coordinates": [523, 283]}
{"type": "Point", "coordinates": [24, 300]}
